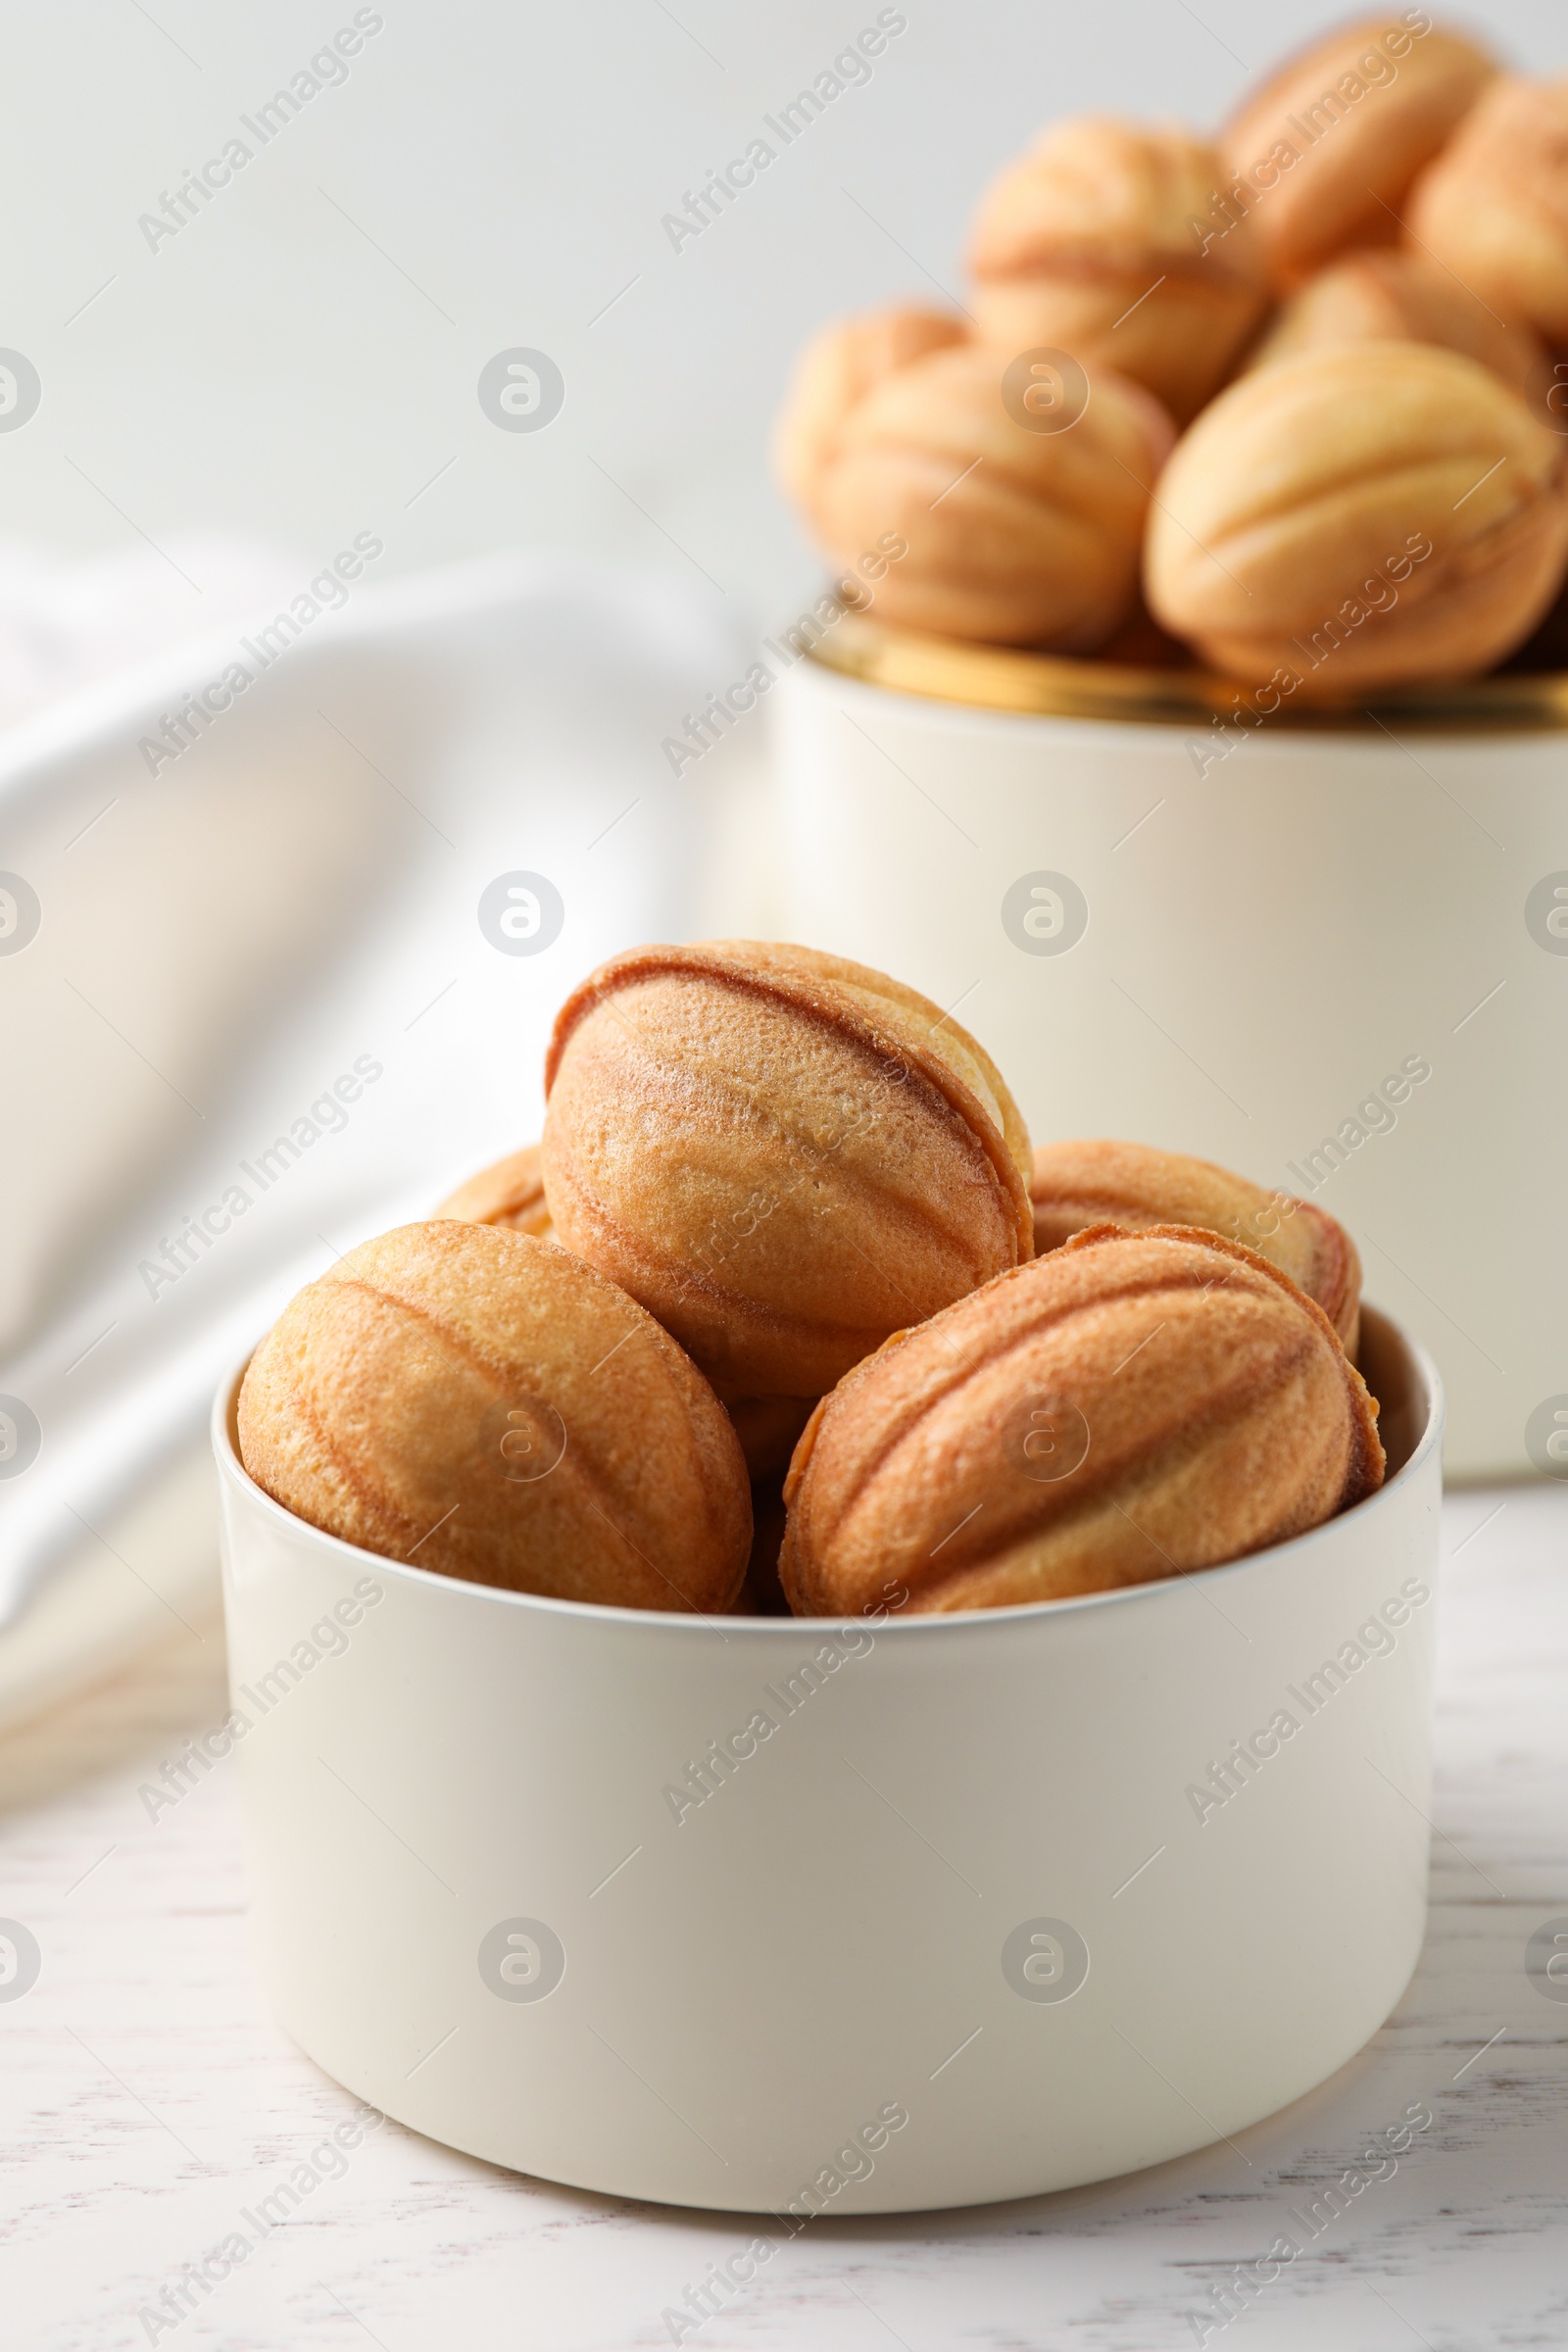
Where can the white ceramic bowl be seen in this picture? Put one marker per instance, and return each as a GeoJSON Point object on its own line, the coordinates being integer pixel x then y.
{"type": "Point", "coordinates": [969, 1877]}
{"type": "Point", "coordinates": [1328, 950]}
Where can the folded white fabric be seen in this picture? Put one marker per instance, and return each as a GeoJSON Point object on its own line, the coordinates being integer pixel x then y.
{"type": "Point", "coordinates": [283, 920]}
{"type": "Point", "coordinates": [68, 620]}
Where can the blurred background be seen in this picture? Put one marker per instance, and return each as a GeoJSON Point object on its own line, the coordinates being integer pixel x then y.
{"type": "Point", "coordinates": [300, 361]}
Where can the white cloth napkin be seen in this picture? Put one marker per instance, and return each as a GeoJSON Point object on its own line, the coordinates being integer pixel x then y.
{"type": "Point", "coordinates": [66, 620]}
{"type": "Point", "coordinates": [259, 1016]}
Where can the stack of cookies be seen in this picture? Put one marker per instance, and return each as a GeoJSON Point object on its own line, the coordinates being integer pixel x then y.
{"type": "Point", "coordinates": [785, 1311]}
{"type": "Point", "coordinates": [1292, 401]}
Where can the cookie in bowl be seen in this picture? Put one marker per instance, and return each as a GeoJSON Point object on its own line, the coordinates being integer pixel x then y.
{"type": "Point", "coordinates": [1086, 243]}
{"type": "Point", "coordinates": [1387, 296]}
{"type": "Point", "coordinates": [1129, 1408]}
{"type": "Point", "coordinates": [512, 1192]}
{"type": "Point", "coordinates": [1321, 158]}
{"type": "Point", "coordinates": [1135, 1185]}
{"type": "Point", "coordinates": [474, 1401]}
{"type": "Point", "coordinates": [1493, 206]}
{"type": "Point", "coordinates": [1362, 514]}
{"type": "Point", "coordinates": [783, 1156]}
{"type": "Point", "coordinates": [832, 377]}
{"type": "Point", "coordinates": [1017, 525]}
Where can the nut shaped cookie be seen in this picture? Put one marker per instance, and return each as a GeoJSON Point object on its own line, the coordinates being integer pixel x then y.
{"type": "Point", "coordinates": [468, 1399]}
{"type": "Point", "coordinates": [1129, 1408]}
{"type": "Point", "coordinates": [784, 1155]}
{"type": "Point", "coordinates": [1086, 245]}
{"type": "Point", "coordinates": [1135, 1185]}
{"type": "Point", "coordinates": [1322, 157]}
{"type": "Point", "coordinates": [1012, 532]}
{"type": "Point", "coordinates": [1388, 296]}
{"type": "Point", "coordinates": [1493, 208]}
{"type": "Point", "coordinates": [834, 375]}
{"type": "Point", "coordinates": [1362, 515]}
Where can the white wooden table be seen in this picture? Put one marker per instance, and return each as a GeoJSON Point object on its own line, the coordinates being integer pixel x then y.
{"type": "Point", "coordinates": [146, 2099]}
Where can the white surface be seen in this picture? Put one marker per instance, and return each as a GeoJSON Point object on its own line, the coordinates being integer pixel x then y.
{"type": "Point", "coordinates": [300, 363]}
{"type": "Point", "coordinates": [150, 1975]}
{"type": "Point", "coordinates": [1265, 949]}
{"type": "Point", "coordinates": [546, 1782]}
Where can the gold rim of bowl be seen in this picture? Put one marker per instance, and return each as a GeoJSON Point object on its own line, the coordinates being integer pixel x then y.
{"type": "Point", "coordinates": [994, 677]}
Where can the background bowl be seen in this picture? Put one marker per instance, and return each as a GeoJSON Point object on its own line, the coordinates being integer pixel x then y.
{"type": "Point", "coordinates": [1328, 950]}
{"type": "Point", "coordinates": [696, 1910]}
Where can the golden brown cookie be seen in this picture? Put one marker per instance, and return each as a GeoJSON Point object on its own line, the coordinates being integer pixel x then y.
{"type": "Point", "coordinates": [1493, 208]}
{"type": "Point", "coordinates": [474, 1401]}
{"type": "Point", "coordinates": [1322, 157]}
{"type": "Point", "coordinates": [1129, 1408]}
{"type": "Point", "coordinates": [1388, 296]}
{"type": "Point", "coordinates": [981, 527]}
{"type": "Point", "coordinates": [1086, 245]}
{"type": "Point", "coordinates": [1135, 1185]}
{"type": "Point", "coordinates": [834, 375]}
{"type": "Point", "coordinates": [782, 1154]}
{"type": "Point", "coordinates": [1363, 515]}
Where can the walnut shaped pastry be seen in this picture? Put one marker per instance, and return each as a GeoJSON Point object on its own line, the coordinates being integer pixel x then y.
{"type": "Point", "coordinates": [784, 1155]}
{"type": "Point", "coordinates": [474, 1401]}
{"type": "Point", "coordinates": [1130, 1407]}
